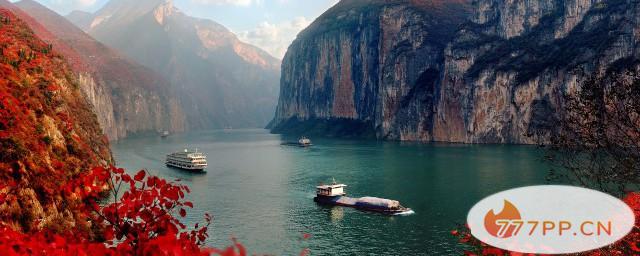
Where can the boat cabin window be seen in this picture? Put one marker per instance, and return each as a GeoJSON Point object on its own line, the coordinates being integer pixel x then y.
{"type": "Point", "coordinates": [330, 190]}
{"type": "Point", "coordinates": [322, 191]}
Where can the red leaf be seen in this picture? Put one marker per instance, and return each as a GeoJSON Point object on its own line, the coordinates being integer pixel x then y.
{"type": "Point", "coordinates": [109, 234]}
{"type": "Point", "coordinates": [183, 213]}
{"type": "Point", "coordinates": [140, 175]}
{"type": "Point", "coordinates": [493, 251]}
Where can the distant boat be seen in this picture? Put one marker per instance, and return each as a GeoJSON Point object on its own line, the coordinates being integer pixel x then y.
{"type": "Point", "coordinates": [187, 160]}
{"type": "Point", "coordinates": [165, 134]}
{"type": "Point", "coordinates": [228, 128]}
{"type": "Point", "coordinates": [335, 194]}
{"type": "Point", "coordinates": [304, 142]}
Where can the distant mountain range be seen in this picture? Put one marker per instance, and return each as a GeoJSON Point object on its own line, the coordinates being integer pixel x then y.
{"type": "Point", "coordinates": [219, 80]}
{"type": "Point", "coordinates": [127, 97]}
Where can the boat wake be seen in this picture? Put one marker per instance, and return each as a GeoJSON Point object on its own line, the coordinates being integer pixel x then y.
{"type": "Point", "coordinates": [405, 213]}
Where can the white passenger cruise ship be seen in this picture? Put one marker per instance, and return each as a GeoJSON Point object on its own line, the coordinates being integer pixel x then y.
{"type": "Point", "coordinates": [188, 160]}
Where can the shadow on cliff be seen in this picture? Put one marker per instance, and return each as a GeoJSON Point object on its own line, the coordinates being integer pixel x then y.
{"type": "Point", "coordinates": [334, 127]}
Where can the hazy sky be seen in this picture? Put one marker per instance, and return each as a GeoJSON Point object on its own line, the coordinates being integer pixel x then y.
{"type": "Point", "coordinates": [269, 24]}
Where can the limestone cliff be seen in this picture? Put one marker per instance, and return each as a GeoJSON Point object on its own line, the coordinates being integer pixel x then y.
{"type": "Point", "coordinates": [127, 97]}
{"type": "Point", "coordinates": [510, 66]}
{"type": "Point", "coordinates": [483, 72]}
{"type": "Point", "coordinates": [362, 62]}
{"type": "Point", "coordinates": [123, 110]}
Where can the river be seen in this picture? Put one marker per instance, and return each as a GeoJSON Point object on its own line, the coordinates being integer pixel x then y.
{"type": "Point", "coordinates": [261, 192]}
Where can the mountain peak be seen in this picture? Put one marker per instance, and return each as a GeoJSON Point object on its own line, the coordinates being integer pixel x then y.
{"type": "Point", "coordinates": [163, 10]}
{"type": "Point", "coordinates": [147, 5]}
{"type": "Point", "coordinates": [124, 11]}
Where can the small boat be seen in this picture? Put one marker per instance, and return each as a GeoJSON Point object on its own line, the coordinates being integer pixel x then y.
{"type": "Point", "coordinates": [304, 142]}
{"type": "Point", "coordinates": [335, 194]}
{"type": "Point", "coordinates": [187, 160]}
{"type": "Point", "coordinates": [164, 134]}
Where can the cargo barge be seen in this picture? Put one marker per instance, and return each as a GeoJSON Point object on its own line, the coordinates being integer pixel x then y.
{"type": "Point", "coordinates": [335, 194]}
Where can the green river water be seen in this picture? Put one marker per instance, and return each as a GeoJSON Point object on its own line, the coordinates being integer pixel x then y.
{"type": "Point", "coordinates": [261, 192]}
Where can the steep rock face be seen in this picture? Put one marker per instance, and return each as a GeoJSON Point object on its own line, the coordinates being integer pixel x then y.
{"type": "Point", "coordinates": [370, 62]}
{"type": "Point", "coordinates": [500, 79]}
{"type": "Point", "coordinates": [219, 80]}
{"type": "Point", "coordinates": [48, 132]}
{"type": "Point", "coordinates": [125, 110]}
{"type": "Point", "coordinates": [506, 84]}
{"type": "Point", "coordinates": [127, 97]}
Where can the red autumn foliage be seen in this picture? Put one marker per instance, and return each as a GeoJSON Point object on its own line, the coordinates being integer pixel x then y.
{"type": "Point", "coordinates": [140, 221]}
{"type": "Point", "coordinates": [49, 138]}
{"type": "Point", "coordinates": [48, 133]}
{"type": "Point", "coordinates": [629, 245]}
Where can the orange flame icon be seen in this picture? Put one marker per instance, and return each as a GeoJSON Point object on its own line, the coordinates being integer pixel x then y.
{"type": "Point", "coordinates": [500, 225]}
